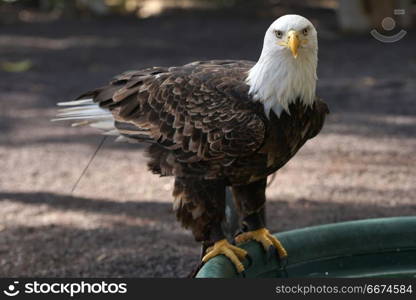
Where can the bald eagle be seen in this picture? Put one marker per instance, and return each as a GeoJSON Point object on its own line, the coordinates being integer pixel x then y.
{"type": "Point", "coordinates": [218, 124]}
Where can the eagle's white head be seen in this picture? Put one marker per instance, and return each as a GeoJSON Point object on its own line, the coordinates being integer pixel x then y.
{"type": "Point", "coordinates": [286, 69]}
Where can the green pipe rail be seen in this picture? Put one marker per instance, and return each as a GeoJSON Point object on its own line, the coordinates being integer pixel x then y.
{"type": "Point", "coordinates": [366, 248]}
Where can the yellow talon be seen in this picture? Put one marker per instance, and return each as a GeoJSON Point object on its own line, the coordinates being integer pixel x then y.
{"type": "Point", "coordinates": [232, 252]}
{"type": "Point", "coordinates": [264, 237]}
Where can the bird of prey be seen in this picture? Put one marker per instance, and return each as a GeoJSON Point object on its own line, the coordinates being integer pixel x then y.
{"type": "Point", "coordinates": [218, 124]}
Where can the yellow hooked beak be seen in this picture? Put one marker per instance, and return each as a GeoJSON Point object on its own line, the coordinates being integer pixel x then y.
{"type": "Point", "coordinates": [293, 41]}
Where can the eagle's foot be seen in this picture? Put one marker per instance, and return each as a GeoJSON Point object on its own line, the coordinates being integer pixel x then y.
{"type": "Point", "coordinates": [264, 237]}
{"type": "Point", "coordinates": [235, 254]}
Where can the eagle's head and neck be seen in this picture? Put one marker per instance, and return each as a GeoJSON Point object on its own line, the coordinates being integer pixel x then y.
{"type": "Point", "coordinates": [286, 69]}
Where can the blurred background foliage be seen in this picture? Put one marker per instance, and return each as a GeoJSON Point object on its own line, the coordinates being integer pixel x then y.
{"type": "Point", "coordinates": [353, 15]}
{"type": "Point", "coordinates": [142, 8]}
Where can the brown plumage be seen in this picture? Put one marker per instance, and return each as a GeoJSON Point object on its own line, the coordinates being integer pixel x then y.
{"type": "Point", "coordinates": [205, 127]}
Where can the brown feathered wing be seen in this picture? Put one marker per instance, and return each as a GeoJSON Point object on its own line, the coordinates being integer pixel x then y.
{"type": "Point", "coordinates": [200, 111]}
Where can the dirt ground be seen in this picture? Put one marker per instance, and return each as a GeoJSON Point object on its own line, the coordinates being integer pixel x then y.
{"type": "Point", "coordinates": [119, 221]}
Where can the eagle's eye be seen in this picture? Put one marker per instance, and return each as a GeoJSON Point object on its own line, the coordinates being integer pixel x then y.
{"type": "Point", "coordinates": [305, 31]}
{"type": "Point", "coordinates": [278, 34]}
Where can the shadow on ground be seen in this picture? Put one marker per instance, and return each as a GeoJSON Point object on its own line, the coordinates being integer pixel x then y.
{"type": "Point", "coordinates": [123, 250]}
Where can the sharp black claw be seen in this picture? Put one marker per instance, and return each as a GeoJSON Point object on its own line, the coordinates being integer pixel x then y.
{"type": "Point", "coordinates": [249, 260]}
{"type": "Point", "coordinates": [240, 231]}
{"type": "Point", "coordinates": [283, 260]}
{"type": "Point", "coordinates": [243, 274]}
{"type": "Point", "coordinates": [272, 253]}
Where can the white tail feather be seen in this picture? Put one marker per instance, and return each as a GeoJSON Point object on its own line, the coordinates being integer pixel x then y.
{"type": "Point", "coordinates": [93, 117]}
{"type": "Point", "coordinates": [86, 112]}
{"type": "Point", "coordinates": [76, 102]}
{"type": "Point", "coordinates": [103, 125]}
{"type": "Point", "coordinates": [78, 108]}
{"type": "Point", "coordinates": [112, 132]}
{"type": "Point", "coordinates": [122, 139]}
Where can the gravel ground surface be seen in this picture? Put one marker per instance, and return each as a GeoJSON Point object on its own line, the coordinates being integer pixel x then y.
{"type": "Point", "coordinates": [119, 221]}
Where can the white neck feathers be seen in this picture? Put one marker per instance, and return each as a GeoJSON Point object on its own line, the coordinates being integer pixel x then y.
{"type": "Point", "coordinates": [277, 81]}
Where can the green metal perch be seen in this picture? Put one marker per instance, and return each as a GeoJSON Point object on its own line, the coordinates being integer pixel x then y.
{"type": "Point", "coordinates": [366, 248]}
